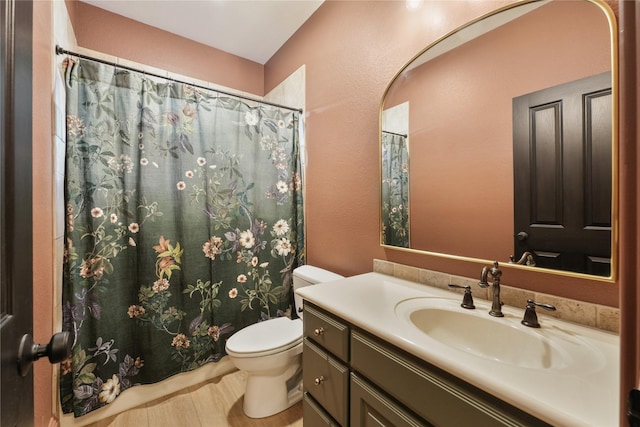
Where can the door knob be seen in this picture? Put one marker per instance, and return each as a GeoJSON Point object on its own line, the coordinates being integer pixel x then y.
{"type": "Point", "coordinates": [58, 349]}
{"type": "Point", "coordinates": [522, 236]}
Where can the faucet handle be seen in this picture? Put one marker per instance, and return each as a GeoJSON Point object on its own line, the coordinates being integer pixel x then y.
{"type": "Point", "coordinates": [467, 299]}
{"type": "Point", "coordinates": [530, 316]}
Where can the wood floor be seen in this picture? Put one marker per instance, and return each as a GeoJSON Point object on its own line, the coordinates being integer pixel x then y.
{"type": "Point", "coordinates": [214, 404]}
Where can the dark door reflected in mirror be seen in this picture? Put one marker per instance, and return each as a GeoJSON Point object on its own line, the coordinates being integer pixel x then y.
{"type": "Point", "coordinates": [458, 99]}
{"type": "Point", "coordinates": [562, 175]}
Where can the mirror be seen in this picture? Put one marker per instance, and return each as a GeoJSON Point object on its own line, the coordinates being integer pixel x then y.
{"type": "Point", "coordinates": [472, 106]}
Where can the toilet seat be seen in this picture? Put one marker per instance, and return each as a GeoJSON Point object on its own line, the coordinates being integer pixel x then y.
{"type": "Point", "coordinates": [265, 338]}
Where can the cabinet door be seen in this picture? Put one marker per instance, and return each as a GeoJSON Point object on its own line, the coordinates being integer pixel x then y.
{"type": "Point", "coordinates": [370, 408]}
{"type": "Point", "coordinates": [327, 380]}
{"type": "Point", "coordinates": [314, 415]}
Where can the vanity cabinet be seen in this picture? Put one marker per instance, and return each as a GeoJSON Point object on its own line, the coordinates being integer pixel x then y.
{"type": "Point", "coordinates": [354, 378]}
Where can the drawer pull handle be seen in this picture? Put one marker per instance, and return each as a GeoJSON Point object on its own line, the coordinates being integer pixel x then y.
{"type": "Point", "coordinates": [319, 380]}
{"type": "Point", "coordinates": [318, 331]}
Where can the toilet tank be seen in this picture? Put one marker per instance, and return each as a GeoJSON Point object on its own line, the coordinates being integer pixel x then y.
{"type": "Point", "coordinates": [307, 275]}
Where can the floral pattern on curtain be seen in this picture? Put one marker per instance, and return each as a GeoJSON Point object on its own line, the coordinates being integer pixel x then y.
{"type": "Point", "coordinates": [183, 225]}
{"type": "Point", "coordinates": [395, 190]}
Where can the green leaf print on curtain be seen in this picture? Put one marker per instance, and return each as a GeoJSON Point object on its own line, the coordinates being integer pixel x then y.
{"type": "Point", "coordinates": [395, 190]}
{"type": "Point", "coordinates": [183, 225]}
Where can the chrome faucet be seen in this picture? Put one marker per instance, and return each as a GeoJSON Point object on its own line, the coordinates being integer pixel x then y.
{"type": "Point", "coordinates": [495, 272]}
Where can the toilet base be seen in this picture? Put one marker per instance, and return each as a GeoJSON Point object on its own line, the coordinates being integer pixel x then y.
{"type": "Point", "coordinates": [267, 395]}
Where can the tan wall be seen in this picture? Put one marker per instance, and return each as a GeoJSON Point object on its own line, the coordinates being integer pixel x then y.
{"type": "Point", "coordinates": [43, 226]}
{"type": "Point", "coordinates": [352, 51]}
{"type": "Point", "coordinates": [116, 35]}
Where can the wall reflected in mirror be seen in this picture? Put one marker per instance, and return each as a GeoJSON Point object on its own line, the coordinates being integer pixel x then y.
{"type": "Point", "coordinates": [458, 104]}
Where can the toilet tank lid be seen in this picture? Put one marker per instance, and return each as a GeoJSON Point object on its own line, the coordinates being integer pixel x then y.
{"type": "Point", "coordinates": [315, 275]}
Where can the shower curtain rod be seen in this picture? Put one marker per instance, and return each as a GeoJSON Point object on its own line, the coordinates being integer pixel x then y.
{"type": "Point", "coordinates": [404, 135]}
{"type": "Point", "coordinates": [61, 51]}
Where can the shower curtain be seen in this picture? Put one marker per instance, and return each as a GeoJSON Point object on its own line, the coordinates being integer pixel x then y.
{"type": "Point", "coordinates": [183, 225]}
{"type": "Point", "coordinates": [395, 190]}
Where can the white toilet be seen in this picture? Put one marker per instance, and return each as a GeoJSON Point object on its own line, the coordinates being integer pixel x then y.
{"type": "Point", "coordinates": [271, 354]}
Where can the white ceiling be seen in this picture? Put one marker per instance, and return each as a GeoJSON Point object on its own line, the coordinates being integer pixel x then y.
{"type": "Point", "coordinates": [251, 29]}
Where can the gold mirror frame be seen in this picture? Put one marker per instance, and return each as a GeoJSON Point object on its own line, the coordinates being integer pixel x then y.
{"type": "Point", "coordinates": [610, 16]}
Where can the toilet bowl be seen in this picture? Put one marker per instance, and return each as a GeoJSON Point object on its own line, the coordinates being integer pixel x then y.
{"type": "Point", "coordinates": [270, 352]}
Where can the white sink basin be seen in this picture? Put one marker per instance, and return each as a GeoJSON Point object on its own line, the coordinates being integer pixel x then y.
{"type": "Point", "coordinates": [501, 340]}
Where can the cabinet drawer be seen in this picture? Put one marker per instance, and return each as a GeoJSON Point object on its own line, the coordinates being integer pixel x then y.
{"type": "Point", "coordinates": [327, 331]}
{"type": "Point", "coordinates": [369, 407]}
{"type": "Point", "coordinates": [314, 415]}
{"type": "Point", "coordinates": [438, 397]}
{"type": "Point", "coordinates": [326, 379]}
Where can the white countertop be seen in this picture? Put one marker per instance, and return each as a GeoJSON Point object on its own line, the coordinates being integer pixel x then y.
{"type": "Point", "coordinates": [588, 397]}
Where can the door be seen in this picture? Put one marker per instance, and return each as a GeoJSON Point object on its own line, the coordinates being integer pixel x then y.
{"type": "Point", "coordinates": [16, 302]}
{"type": "Point", "coordinates": [562, 175]}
